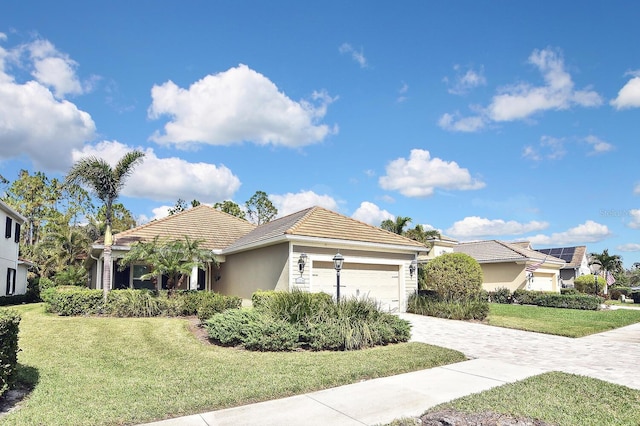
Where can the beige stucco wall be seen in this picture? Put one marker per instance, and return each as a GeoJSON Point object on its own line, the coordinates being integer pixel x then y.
{"type": "Point", "coordinates": [497, 275]}
{"type": "Point", "coordinates": [262, 269]}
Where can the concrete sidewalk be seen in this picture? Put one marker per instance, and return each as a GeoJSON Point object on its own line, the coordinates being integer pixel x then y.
{"type": "Point", "coordinates": [370, 402]}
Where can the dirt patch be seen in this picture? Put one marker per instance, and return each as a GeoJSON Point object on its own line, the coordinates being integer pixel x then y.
{"type": "Point", "coordinates": [10, 401]}
{"type": "Point", "coordinates": [457, 418]}
{"type": "Point", "coordinates": [196, 328]}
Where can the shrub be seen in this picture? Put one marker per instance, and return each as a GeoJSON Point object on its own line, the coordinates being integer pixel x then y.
{"type": "Point", "coordinates": [14, 300]}
{"type": "Point", "coordinates": [45, 283]}
{"type": "Point", "coordinates": [287, 321]}
{"type": "Point", "coordinates": [500, 295]}
{"type": "Point", "coordinates": [259, 298]}
{"type": "Point", "coordinates": [569, 301]}
{"type": "Point", "coordinates": [526, 297]}
{"type": "Point", "coordinates": [216, 303]}
{"type": "Point", "coordinates": [635, 295]}
{"type": "Point", "coordinates": [569, 290]}
{"type": "Point", "coordinates": [9, 327]}
{"type": "Point", "coordinates": [462, 310]}
{"type": "Point", "coordinates": [72, 275]}
{"type": "Point", "coordinates": [135, 303]}
{"type": "Point", "coordinates": [73, 300]}
{"type": "Point", "coordinates": [616, 292]}
{"type": "Point", "coordinates": [585, 284]}
{"type": "Point", "coordinates": [295, 306]}
{"type": "Point", "coordinates": [454, 276]}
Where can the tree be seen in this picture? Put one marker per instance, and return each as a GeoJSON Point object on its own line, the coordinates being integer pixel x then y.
{"type": "Point", "coordinates": [231, 208]}
{"type": "Point", "coordinates": [610, 263]}
{"type": "Point", "coordinates": [107, 183]}
{"type": "Point", "coordinates": [260, 209]}
{"type": "Point", "coordinates": [121, 220]}
{"type": "Point", "coordinates": [456, 277]}
{"type": "Point", "coordinates": [62, 248]}
{"type": "Point", "coordinates": [396, 226]}
{"type": "Point", "coordinates": [419, 234]}
{"type": "Point", "coordinates": [181, 205]}
{"type": "Point", "coordinates": [175, 259]}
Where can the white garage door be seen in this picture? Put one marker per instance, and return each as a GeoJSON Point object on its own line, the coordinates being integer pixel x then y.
{"type": "Point", "coordinates": [380, 282]}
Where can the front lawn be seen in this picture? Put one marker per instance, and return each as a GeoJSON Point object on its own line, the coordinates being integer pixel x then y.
{"type": "Point", "coordinates": [557, 398]}
{"type": "Point", "coordinates": [562, 322]}
{"type": "Point", "coordinates": [108, 371]}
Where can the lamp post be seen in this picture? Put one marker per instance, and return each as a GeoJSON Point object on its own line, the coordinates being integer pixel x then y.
{"type": "Point", "coordinates": [338, 260]}
{"type": "Point", "coordinates": [595, 268]}
{"type": "Point", "coordinates": [412, 267]}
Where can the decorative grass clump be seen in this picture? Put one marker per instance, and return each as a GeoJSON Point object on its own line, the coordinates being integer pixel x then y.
{"type": "Point", "coordinates": [285, 321]}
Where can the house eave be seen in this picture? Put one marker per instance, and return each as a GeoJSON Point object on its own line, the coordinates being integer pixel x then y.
{"type": "Point", "coordinates": [322, 241]}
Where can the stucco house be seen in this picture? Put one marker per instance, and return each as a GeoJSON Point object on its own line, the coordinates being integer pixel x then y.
{"type": "Point", "coordinates": [514, 265]}
{"type": "Point", "coordinates": [295, 251]}
{"type": "Point", "coordinates": [13, 270]}
{"type": "Point", "coordinates": [577, 262]}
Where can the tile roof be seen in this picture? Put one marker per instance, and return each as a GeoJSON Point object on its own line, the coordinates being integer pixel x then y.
{"type": "Point", "coordinates": [500, 251]}
{"type": "Point", "coordinates": [216, 228]}
{"type": "Point", "coordinates": [319, 222]}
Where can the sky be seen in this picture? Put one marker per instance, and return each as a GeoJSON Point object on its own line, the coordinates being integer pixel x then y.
{"type": "Point", "coordinates": [506, 120]}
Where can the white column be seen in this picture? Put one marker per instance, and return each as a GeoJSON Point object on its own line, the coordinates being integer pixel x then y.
{"type": "Point", "coordinates": [193, 282]}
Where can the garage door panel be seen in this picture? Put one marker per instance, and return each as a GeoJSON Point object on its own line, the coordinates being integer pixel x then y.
{"type": "Point", "coordinates": [380, 282]}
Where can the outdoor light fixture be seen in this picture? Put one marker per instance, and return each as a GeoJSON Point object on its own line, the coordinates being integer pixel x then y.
{"type": "Point", "coordinates": [412, 267]}
{"type": "Point", "coordinates": [338, 260]}
{"type": "Point", "coordinates": [302, 260]}
{"type": "Point", "coordinates": [595, 268]}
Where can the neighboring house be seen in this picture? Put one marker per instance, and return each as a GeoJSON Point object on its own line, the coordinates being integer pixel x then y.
{"type": "Point", "coordinates": [377, 263]}
{"type": "Point", "coordinates": [577, 262]}
{"type": "Point", "coordinates": [513, 265]}
{"type": "Point", "coordinates": [13, 271]}
{"type": "Point", "coordinates": [440, 246]}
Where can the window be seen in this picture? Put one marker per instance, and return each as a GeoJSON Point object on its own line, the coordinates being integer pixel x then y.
{"type": "Point", "coordinates": [11, 281]}
{"type": "Point", "coordinates": [138, 282]}
{"type": "Point", "coordinates": [17, 235]}
{"type": "Point", "coordinates": [7, 229]}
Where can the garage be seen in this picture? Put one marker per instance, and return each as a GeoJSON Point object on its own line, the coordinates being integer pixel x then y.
{"type": "Point", "coordinates": [380, 282]}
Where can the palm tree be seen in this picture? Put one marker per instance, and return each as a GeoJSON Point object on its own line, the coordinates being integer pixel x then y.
{"type": "Point", "coordinates": [397, 226]}
{"type": "Point", "coordinates": [610, 263]}
{"type": "Point", "coordinates": [106, 182]}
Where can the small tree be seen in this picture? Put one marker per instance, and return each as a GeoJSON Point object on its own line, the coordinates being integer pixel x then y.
{"type": "Point", "coordinates": [175, 259]}
{"type": "Point", "coordinates": [231, 208]}
{"type": "Point", "coordinates": [585, 284]}
{"type": "Point", "coordinates": [456, 277]}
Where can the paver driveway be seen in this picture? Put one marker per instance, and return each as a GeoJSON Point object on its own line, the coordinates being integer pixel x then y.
{"type": "Point", "coordinates": [613, 356]}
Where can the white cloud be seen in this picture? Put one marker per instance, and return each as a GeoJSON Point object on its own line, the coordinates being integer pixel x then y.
{"type": "Point", "coordinates": [523, 100]}
{"type": "Point", "coordinates": [290, 203]}
{"type": "Point", "coordinates": [356, 55]}
{"type": "Point", "coordinates": [235, 106]}
{"type": "Point", "coordinates": [629, 95]}
{"type": "Point", "coordinates": [588, 232]}
{"type": "Point", "coordinates": [466, 81]}
{"type": "Point", "coordinates": [402, 93]}
{"type": "Point", "coordinates": [474, 227]}
{"type": "Point", "coordinates": [61, 126]}
{"type": "Point", "coordinates": [157, 213]}
{"type": "Point", "coordinates": [167, 179]}
{"type": "Point", "coordinates": [550, 148]}
{"type": "Point", "coordinates": [635, 219]}
{"type": "Point", "coordinates": [628, 247]}
{"type": "Point", "coordinates": [371, 214]}
{"type": "Point", "coordinates": [520, 101]}
{"type": "Point", "coordinates": [420, 175]}
{"type": "Point", "coordinates": [455, 123]}
{"type": "Point", "coordinates": [636, 189]}
{"type": "Point", "coordinates": [598, 145]}
{"type": "Point", "coordinates": [54, 69]}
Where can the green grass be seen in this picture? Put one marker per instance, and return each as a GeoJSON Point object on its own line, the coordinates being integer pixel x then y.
{"type": "Point", "coordinates": [557, 398]}
{"type": "Point", "coordinates": [108, 371]}
{"type": "Point", "coordinates": [562, 322]}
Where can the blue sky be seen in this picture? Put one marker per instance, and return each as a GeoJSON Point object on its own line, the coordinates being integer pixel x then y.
{"type": "Point", "coordinates": [502, 120]}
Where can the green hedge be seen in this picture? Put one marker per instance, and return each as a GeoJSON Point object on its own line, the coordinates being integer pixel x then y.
{"type": "Point", "coordinates": [9, 327]}
{"type": "Point", "coordinates": [555, 300]}
{"type": "Point", "coordinates": [72, 300]}
{"type": "Point", "coordinates": [284, 321]}
{"type": "Point", "coordinates": [616, 292]}
{"type": "Point", "coordinates": [461, 310]}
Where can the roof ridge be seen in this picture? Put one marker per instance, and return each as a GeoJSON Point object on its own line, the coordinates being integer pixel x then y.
{"type": "Point", "coordinates": [301, 220]}
{"type": "Point", "coordinates": [156, 221]}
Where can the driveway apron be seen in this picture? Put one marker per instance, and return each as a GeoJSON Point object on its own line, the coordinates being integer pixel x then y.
{"type": "Point", "coordinates": [610, 356]}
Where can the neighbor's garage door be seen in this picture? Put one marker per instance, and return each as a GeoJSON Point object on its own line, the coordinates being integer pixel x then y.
{"type": "Point", "coordinates": [380, 282]}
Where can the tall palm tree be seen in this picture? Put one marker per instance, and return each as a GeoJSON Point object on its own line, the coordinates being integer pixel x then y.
{"type": "Point", "coordinates": [106, 182]}
{"type": "Point", "coordinates": [396, 226]}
